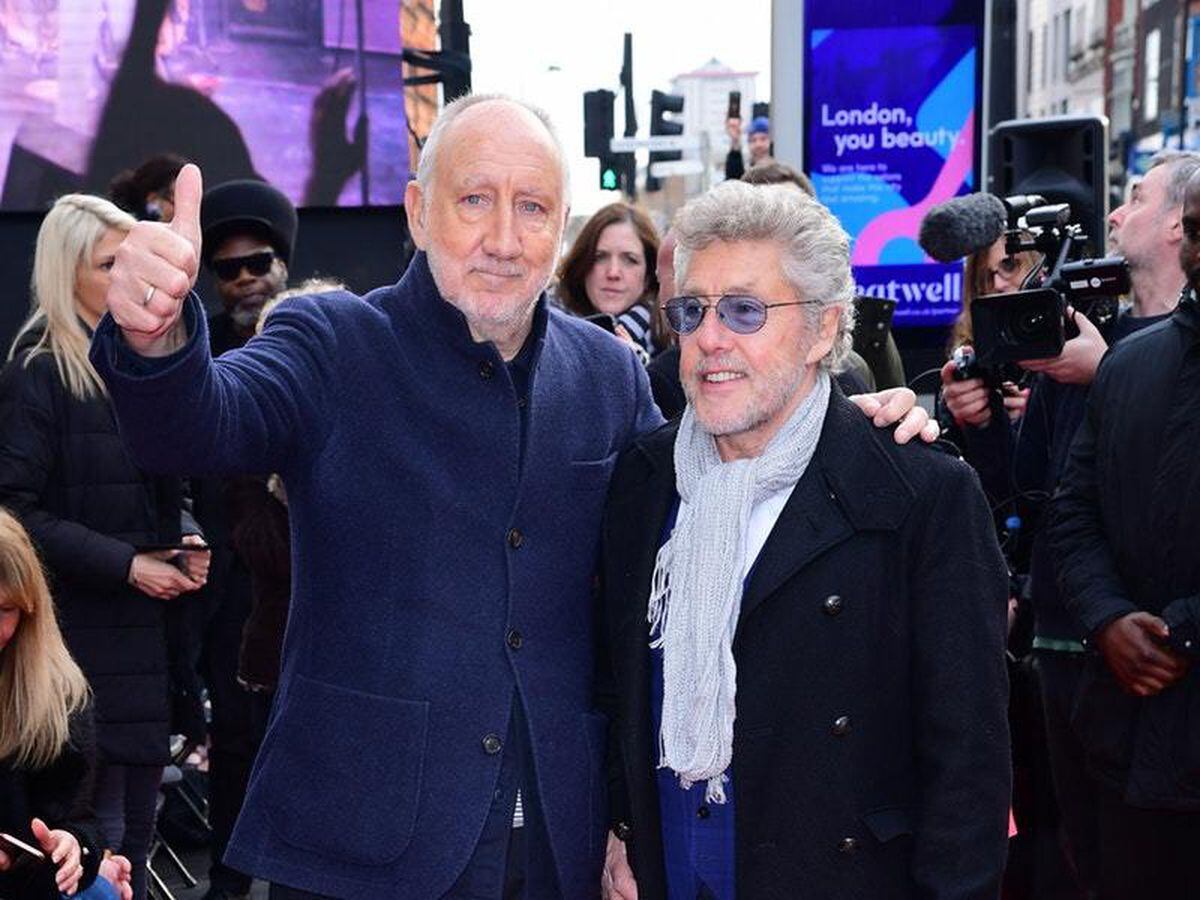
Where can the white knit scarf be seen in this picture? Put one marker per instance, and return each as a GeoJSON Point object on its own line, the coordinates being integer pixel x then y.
{"type": "Point", "coordinates": [696, 592]}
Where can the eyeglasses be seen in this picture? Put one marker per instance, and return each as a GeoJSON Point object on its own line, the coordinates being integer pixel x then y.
{"type": "Point", "coordinates": [740, 313]}
{"type": "Point", "coordinates": [257, 264]}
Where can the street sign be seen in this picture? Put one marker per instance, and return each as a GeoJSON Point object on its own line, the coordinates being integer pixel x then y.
{"type": "Point", "coordinates": [676, 167]}
{"type": "Point", "coordinates": [661, 142]}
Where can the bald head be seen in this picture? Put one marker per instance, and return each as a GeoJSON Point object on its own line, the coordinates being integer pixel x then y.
{"type": "Point", "coordinates": [497, 111]}
{"type": "Point", "coordinates": [666, 268]}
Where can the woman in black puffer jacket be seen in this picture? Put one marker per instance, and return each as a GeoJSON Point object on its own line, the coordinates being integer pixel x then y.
{"type": "Point", "coordinates": [99, 522]}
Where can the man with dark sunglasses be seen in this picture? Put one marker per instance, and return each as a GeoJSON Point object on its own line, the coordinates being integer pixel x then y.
{"type": "Point", "coordinates": [804, 621]}
{"type": "Point", "coordinates": [249, 231]}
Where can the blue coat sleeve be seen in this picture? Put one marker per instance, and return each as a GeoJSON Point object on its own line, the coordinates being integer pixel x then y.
{"type": "Point", "coordinates": [256, 409]}
{"type": "Point", "coordinates": [646, 413]}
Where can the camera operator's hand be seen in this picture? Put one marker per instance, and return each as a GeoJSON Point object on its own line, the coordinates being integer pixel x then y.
{"type": "Point", "coordinates": [966, 400]}
{"type": "Point", "coordinates": [1132, 650]}
{"type": "Point", "coordinates": [1079, 358]}
{"type": "Point", "coordinates": [1015, 401]}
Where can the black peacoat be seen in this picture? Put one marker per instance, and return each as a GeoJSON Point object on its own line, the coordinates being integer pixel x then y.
{"type": "Point", "coordinates": [871, 753]}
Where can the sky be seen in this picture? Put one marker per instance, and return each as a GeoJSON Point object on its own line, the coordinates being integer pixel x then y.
{"type": "Point", "coordinates": [551, 51]}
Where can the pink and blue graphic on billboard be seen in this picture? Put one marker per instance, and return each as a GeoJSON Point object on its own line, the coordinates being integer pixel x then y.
{"type": "Point", "coordinates": [891, 131]}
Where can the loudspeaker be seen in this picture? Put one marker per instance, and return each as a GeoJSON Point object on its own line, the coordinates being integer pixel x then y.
{"type": "Point", "coordinates": [1063, 158]}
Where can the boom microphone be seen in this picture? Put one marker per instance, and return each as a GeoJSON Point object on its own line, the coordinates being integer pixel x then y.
{"type": "Point", "coordinates": [960, 226]}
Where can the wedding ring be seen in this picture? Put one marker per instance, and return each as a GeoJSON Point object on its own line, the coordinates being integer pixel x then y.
{"type": "Point", "coordinates": [149, 294]}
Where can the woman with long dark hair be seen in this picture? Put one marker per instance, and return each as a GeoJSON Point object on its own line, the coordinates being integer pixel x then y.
{"type": "Point", "coordinates": [611, 269]}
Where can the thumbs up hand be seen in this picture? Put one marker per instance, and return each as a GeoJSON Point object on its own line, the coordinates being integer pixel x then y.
{"type": "Point", "coordinates": [155, 267]}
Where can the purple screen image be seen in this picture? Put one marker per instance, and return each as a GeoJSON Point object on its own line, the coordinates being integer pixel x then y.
{"type": "Point", "coordinates": [245, 88]}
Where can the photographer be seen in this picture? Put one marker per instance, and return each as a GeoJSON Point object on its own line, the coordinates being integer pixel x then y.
{"type": "Point", "coordinates": [1123, 524]}
{"type": "Point", "coordinates": [1025, 463]}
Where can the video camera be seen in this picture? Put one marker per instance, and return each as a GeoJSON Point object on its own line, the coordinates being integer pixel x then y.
{"type": "Point", "coordinates": [1032, 323]}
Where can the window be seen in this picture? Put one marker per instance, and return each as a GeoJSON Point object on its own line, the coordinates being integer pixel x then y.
{"type": "Point", "coordinates": [1055, 45]}
{"type": "Point", "coordinates": [1029, 61]}
{"type": "Point", "coordinates": [1151, 63]}
{"type": "Point", "coordinates": [1066, 43]}
{"type": "Point", "coordinates": [1045, 52]}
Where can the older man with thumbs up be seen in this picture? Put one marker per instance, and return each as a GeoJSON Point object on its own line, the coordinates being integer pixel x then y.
{"type": "Point", "coordinates": [446, 445]}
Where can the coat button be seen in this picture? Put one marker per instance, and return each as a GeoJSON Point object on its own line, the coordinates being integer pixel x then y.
{"type": "Point", "coordinates": [847, 845]}
{"type": "Point", "coordinates": [623, 831]}
{"type": "Point", "coordinates": [841, 726]}
{"type": "Point", "coordinates": [515, 538]}
{"type": "Point", "coordinates": [514, 639]}
{"type": "Point", "coordinates": [703, 812]}
{"type": "Point", "coordinates": [486, 369]}
{"type": "Point", "coordinates": [492, 744]}
{"type": "Point", "coordinates": [832, 605]}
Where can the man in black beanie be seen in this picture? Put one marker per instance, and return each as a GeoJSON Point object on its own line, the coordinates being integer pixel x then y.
{"type": "Point", "coordinates": [249, 232]}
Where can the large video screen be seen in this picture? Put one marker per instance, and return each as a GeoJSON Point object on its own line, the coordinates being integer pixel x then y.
{"type": "Point", "coordinates": [892, 100]}
{"type": "Point", "coordinates": [275, 89]}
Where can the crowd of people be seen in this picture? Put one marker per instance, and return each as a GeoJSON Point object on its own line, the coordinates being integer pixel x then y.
{"type": "Point", "coordinates": [569, 572]}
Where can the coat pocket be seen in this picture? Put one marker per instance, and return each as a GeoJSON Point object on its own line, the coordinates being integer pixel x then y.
{"type": "Point", "coordinates": [332, 749]}
{"type": "Point", "coordinates": [1103, 718]}
{"type": "Point", "coordinates": [888, 823]}
{"type": "Point", "coordinates": [592, 475]}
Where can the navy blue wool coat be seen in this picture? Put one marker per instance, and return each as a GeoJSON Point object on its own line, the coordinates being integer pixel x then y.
{"type": "Point", "coordinates": [419, 540]}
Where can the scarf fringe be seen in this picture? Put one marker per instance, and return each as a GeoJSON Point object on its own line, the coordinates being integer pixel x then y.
{"type": "Point", "coordinates": [660, 591]}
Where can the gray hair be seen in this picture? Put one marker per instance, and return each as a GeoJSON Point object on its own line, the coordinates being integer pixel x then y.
{"type": "Point", "coordinates": [815, 247]}
{"type": "Point", "coordinates": [454, 109]}
{"type": "Point", "coordinates": [1182, 166]}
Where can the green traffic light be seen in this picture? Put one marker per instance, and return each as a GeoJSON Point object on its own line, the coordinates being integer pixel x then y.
{"type": "Point", "coordinates": [608, 179]}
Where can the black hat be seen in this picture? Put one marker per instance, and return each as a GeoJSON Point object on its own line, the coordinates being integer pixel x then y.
{"type": "Point", "coordinates": [255, 207]}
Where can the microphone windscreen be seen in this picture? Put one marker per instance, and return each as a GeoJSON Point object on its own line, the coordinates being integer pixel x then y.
{"type": "Point", "coordinates": [960, 226]}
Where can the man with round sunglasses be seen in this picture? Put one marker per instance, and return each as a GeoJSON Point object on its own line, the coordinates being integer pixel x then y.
{"type": "Point", "coordinates": [446, 443]}
{"type": "Point", "coordinates": [804, 622]}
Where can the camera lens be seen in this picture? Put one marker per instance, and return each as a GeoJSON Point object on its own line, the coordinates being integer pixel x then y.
{"type": "Point", "coordinates": [1029, 324]}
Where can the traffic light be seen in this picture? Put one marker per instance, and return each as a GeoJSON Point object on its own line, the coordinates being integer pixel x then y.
{"type": "Point", "coordinates": [610, 176]}
{"type": "Point", "coordinates": [597, 122]}
{"type": "Point", "coordinates": [597, 136]}
{"type": "Point", "coordinates": [660, 104]}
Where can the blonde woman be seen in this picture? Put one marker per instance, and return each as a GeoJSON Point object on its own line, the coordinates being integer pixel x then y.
{"type": "Point", "coordinates": [46, 738]}
{"type": "Point", "coordinates": [103, 526]}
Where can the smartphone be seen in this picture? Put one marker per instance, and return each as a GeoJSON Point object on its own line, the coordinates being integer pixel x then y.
{"type": "Point", "coordinates": [603, 320]}
{"type": "Point", "coordinates": [163, 548]}
{"type": "Point", "coordinates": [735, 105]}
{"type": "Point", "coordinates": [22, 854]}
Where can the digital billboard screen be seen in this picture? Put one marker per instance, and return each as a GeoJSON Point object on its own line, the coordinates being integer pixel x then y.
{"type": "Point", "coordinates": [245, 88]}
{"type": "Point", "coordinates": [892, 117]}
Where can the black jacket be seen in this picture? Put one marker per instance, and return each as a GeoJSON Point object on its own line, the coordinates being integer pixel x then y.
{"type": "Point", "coordinates": [1020, 467]}
{"type": "Point", "coordinates": [879, 596]}
{"type": "Point", "coordinates": [59, 795]}
{"type": "Point", "coordinates": [65, 473]}
{"type": "Point", "coordinates": [1124, 527]}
